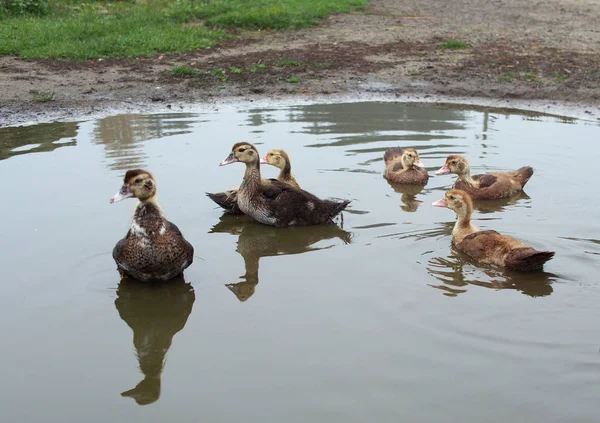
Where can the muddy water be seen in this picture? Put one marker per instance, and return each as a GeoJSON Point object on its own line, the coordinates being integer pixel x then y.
{"type": "Point", "coordinates": [377, 321]}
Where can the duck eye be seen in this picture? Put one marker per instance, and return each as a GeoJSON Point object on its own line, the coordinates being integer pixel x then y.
{"type": "Point", "coordinates": [241, 150]}
{"type": "Point", "coordinates": [138, 180]}
{"type": "Point", "coordinates": [453, 162]}
{"type": "Point", "coordinates": [451, 197]}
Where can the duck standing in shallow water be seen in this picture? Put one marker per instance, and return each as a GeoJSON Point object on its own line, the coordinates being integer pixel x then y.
{"type": "Point", "coordinates": [281, 160]}
{"type": "Point", "coordinates": [277, 203]}
{"type": "Point", "coordinates": [278, 158]}
{"type": "Point", "coordinates": [404, 167]}
{"type": "Point", "coordinates": [489, 186]}
{"type": "Point", "coordinates": [488, 247]}
{"type": "Point", "coordinates": [154, 249]}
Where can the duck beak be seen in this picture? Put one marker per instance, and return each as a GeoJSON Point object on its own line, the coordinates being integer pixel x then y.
{"type": "Point", "coordinates": [264, 160]}
{"type": "Point", "coordinates": [443, 170]}
{"type": "Point", "coordinates": [229, 159]}
{"type": "Point", "coordinates": [418, 163]}
{"type": "Point", "coordinates": [440, 203]}
{"type": "Point", "coordinates": [123, 193]}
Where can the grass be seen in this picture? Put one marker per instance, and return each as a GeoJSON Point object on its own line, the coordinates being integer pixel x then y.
{"type": "Point", "coordinates": [531, 77]}
{"type": "Point", "coordinates": [559, 77]}
{"type": "Point", "coordinates": [507, 77]}
{"type": "Point", "coordinates": [293, 80]}
{"type": "Point", "coordinates": [98, 29]}
{"type": "Point", "coordinates": [43, 97]}
{"type": "Point", "coordinates": [452, 45]}
{"type": "Point", "coordinates": [183, 71]}
{"type": "Point", "coordinates": [288, 62]}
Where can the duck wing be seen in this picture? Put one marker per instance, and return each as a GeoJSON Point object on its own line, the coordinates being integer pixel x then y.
{"type": "Point", "coordinates": [485, 180]}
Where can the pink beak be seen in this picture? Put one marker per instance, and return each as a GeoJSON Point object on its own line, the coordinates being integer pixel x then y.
{"type": "Point", "coordinates": [444, 170]}
{"type": "Point", "coordinates": [123, 193]}
{"type": "Point", "coordinates": [264, 160]}
{"type": "Point", "coordinates": [440, 203]}
{"type": "Point", "coordinates": [418, 163]}
{"type": "Point", "coordinates": [229, 159]}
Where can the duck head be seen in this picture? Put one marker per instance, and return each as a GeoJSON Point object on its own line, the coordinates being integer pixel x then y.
{"type": "Point", "coordinates": [277, 158]}
{"type": "Point", "coordinates": [455, 164]}
{"type": "Point", "coordinates": [410, 158]}
{"type": "Point", "coordinates": [242, 152]}
{"type": "Point", "coordinates": [458, 201]}
{"type": "Point", "coordinates": [138, 184]}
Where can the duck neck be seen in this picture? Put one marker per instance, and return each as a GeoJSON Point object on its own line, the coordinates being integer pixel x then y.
{"type": "Point", "coordinates": [465, 176]}
{"type": "Point", "coordinates": [285, 173]}
{"type": "Point", "coordinates": [463, 226]}
{"type": "Point", "coordinates": [148, 218]}
{"type": "Point", "coordinates": [251, 181]}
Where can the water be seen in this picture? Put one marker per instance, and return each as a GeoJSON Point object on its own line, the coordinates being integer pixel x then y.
{"type": "Point", "coordinates": [378, 321]}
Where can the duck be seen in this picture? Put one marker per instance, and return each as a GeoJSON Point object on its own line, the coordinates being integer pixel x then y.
{"type": "Point", "coordinates": [276, 203]}
{"type": "Point", "coordinates": [489, 186]}
{"type": "Point", "coordinates": [280, 159]}
{"type": "Point", "coordinates": [275, 157]}
{"type": "Point", "coordinates": [154, 249]}
{"type": "Point", "coordinates": [488, 247]}
{"type": "Point", "coordinates": [404, 167]}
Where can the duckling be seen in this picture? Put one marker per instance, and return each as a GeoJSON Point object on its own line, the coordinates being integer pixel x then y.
{"type": "Point", "coordinates": [489, 186]}
{"type": "Point", "coordinates": [280, 159]}
{"type": "Point", "coordinates": [154, 249]}
{"type": "Point", "coordinates": [488, 247]}
{"type": "Point", "coordinates": [277, 203]}
{"type": "Point", "coordinates": [404, 167]}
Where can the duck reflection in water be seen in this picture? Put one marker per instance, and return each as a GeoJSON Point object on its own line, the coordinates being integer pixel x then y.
{"type": "Point", "coordinates": [409, 192]}
{"type": "Point", "coordinates": [155, 313]}
{"type": "Point", "coordinates": [256, 241]}
{"type": "Point", "coordinates": [493, 206]}
{"type": "Point", "coordinates": [458, 271]}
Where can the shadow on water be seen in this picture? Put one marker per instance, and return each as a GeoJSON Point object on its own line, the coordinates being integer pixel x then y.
{"type": "Point", "coordinates": [492, 206]}
{"type": "Point", "coordinates": [256, 241]}
{"type": "Point", "coordinates": [155, 313]}
{"type": "Point", "coordinates": [458, 271]}
{"type": "Point", "coordinates": [44, 137]}
{"type": "Point", "coordinates": [409, 192]}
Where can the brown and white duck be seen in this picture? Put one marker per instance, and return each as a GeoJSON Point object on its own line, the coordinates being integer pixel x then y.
{"type": "Point", "coordinates": [489, 186]}
{"type": "Point", "coordinates": [488, 247]}
{"type": "Point", "coordinates": [154, 249]}
{"type": "Point", "coordinates": [277, 203]}
{"type": "Point", "coordinates": [278, 158]}
{"type": "Point", "coordinates": [404, 167]}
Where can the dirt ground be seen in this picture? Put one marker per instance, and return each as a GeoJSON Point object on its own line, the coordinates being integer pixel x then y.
{"type": "Point", "coordinates": [537, 54]}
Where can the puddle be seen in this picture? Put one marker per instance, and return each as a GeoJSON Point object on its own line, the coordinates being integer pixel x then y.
{"type": "Point", "coordinates": [378, 320]}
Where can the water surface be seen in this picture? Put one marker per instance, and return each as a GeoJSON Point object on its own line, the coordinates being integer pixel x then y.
{"type": "Point", "coordinates": [378, 320]}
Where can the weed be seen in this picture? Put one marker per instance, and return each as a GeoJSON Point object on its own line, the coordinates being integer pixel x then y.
{"type": "Point", "coordinates": [288, 62]}
{"type": "Point", "coordinates": [255, 67]}
{"type": "Point", "coordinates": [43, 97]}
{"type": "Point", "coordinates": [414, 73]}
{"type": "Point", "coordinates": [233, 69]}
{"type": "Point", "coordinates": [531, 77]}
{"type": "Point", "coordinates": [559, 77]}
{"type": "Point", "coordinates": [452, 45]}
{"type": "Point", "coordinates": [220, 74]}
{"type": "Point", "coordinates": [507, 77]}
{"type": "Point", "coordinates": [183, 71]}
{"type": "Point", "coordinates": [293, 80]}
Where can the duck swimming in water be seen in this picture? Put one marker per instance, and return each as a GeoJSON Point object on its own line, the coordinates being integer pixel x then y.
{"type": "Point", "coordinates": [404, 167]}
{"type": "Point", "coordinates": [488, 247]}
{"type": "Point", "coordinates": [489, 186]}
{"type": "Point", "coordinates": [154, 249]}
{"type": "Point", "coordinates": [277, 203]}
{"type": "Point", "coordinates": [278, 158]}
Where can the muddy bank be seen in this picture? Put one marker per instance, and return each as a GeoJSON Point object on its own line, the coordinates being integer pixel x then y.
{"type": "Point", "coordinates": [542, 56]}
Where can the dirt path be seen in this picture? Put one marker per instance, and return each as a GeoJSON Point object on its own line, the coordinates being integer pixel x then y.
{"type": "Point", "coordinates": [517, 51]}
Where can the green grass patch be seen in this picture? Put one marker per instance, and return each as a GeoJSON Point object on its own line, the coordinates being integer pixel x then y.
{"type": "Point", "coordinates": [288, 62]}
{"type": "Point", "coordinates": [128, 28]}
{"type": "Point", "coordinates": [293, 80]}
{"type": "Point", "coordinates": [43, 97]}
{"type": "Point", "coordinates": [452, 45]}
{"type": "Point", "coordinates": [531, 77]}
{"type": "Point", "coordinates": [507, 77]}
{"type": "Point", "coordinates": [184, 70]}
{"type": "Point", "coordinates": [559, 77]}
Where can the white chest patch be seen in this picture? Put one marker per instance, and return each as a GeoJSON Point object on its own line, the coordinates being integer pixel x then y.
{"type": "Point", "coordinates": [137, 230]}
{"type": "Point", "coordinates": [310, 205]}
{"type": "Point", "coordinates": [162, 231]}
